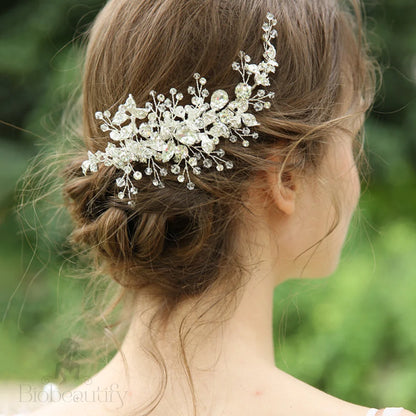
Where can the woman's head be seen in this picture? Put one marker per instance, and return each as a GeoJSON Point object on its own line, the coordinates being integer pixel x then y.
{"type": "Point", "coordinates": [179, 244]}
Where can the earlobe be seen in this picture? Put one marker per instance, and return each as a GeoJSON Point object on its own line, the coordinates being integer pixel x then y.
{"type": "Point", "coordinates": [282, 190]}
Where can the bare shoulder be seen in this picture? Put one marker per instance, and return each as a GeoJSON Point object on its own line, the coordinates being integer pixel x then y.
{"type": "Point", "coordinates": [406, 412]}
{"type": "Point", "coordinates": [297, 397]}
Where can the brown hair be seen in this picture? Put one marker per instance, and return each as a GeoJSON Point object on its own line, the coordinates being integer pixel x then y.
{"type": "Point", "coordinates": [177, 244]}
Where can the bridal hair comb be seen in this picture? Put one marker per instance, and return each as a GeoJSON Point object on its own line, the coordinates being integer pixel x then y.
{"type": "Point", "coordinates": [174, 134]}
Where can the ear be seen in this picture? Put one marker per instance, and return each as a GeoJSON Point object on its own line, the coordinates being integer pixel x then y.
{"type": "Point", "coordinates": [282, 190]}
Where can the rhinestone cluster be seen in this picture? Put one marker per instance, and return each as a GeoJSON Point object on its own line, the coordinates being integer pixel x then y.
{"type": "Point", "coordinates": [166, 135]}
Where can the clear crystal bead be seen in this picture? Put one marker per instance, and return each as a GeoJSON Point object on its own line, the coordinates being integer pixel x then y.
{"type": "Point", "coordinates": [191, 90]}
{"type": "Point", "coordinates": [155, 182]}
{"type": "Point", "coordinates": [196, 170]}
{"type": "Point", "coordinates": [120, 182]}
{"type": "Point", "coordinates": [229, 164]}
{"type": "Point", "coordinates": [152, 93]}
{"type": "Point", "coordinates": [181, 178]}
{"type": "Point", "coordinates": [99, 115]}
{"type": "Point", "coordinates": [148, 171]}
{"type": "Point", "coordinates": [255, 135]}
{"type": "Point", "coordinates": [173, 91]}
{"type": "Point", "coordinates": [219, 99]}
{"type": "Point", "coordinates": [246, 143]}
{"type": "Point", "coordinates": [175, 169]}
{"type": "Point", "coordinates": [236, 66]}
{"type": "Point", "coordinates": [243, 90]}
{"type": "Point", "coordinates": [233, 138]}
{"type": "Point", "coordinates": [179, 96]}
{"type": "Point", "coordinates": [104, 127]}
{"type": "Point", "coordinates": [270, 16]}
{"type": "Point", "coordinates": [258, 106]}
{"type": "Point", "coordinates": [202, 81]}
{"type": "Point", "coordinates": [207, 163]}
{"type": "Point", "coordinates": [221, 152]}
{"type": "Point", "coordinates": [137, 175]}
{"type": "Point", "coordinates": [197, 76]}
{"type": "Point", "coordinates": [220, 167]}
{"type": "Point", "coordinates": [163, 172]}
{"type": "Point", "coordinates": [192, 161]}
{"type": "Point", "coordinates": [120, 195]}
{"type": "Point", "coordinates": [107, 113]}
{"type": "Point", "coordinates": [267, 105]}
{"type": "Point", "coordinates": [190, 186]}
{"type": "Point", "coordinates": [133, 190]}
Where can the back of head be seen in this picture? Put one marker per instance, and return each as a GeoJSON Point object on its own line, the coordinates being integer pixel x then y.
{"type": "Point", "coordinates": [179, 244]}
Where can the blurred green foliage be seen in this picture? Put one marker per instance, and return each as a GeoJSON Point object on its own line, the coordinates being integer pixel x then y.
{"type": "Point", "coordinates": [350, 335]}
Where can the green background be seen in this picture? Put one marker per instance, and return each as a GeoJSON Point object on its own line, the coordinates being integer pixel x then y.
{"type": "Point", "coordinates": [352, 335]}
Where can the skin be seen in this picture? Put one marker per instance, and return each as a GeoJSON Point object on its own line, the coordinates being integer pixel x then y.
{"type": "Point", "coordinates": [233, 367]}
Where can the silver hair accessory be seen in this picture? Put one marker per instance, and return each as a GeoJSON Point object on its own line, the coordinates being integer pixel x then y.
{"type": "Point", "coordinates": [188, 135]}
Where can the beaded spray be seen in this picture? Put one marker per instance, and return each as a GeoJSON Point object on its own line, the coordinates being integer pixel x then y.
{"type": "Point", "coordinates": [174, 134]}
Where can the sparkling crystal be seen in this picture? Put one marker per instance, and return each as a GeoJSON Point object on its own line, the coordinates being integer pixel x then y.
{"type": "Point", "coordinates": [196, 170]}
{"type": "Point", "coordinates": [99, 115]}
{"type": "Point", "coordinates": [137, 175]}
{"type": "Point", "coordinates": [207, 145]}
{"type": "Point", "coordinates": [229, 164]}
{"type": "Point", "coordinates": [175, 169]}
{"type": "Point", "coordinates": [191, 90]}
{"type": "Point", "coordinates": [163, 172]}
{"type": "Point", "coordinates": [258, 106]}
{"type": "Point", "coordinates": [120, 195]}
{"type": "Point", "coordinates": [205, 93]}
{"type": "Point", "coordinates": [249, 120]}
{"type": "Point", "coordinates": [219, 99]}
{"type": "Point", "coordinates": [255, 135]}
{"type": "Point", "coordinates": [246, 143]}
{"type": "Point", "coordinates": [190, 186]}
{"type": "Point", "coordinates": [247, 58]}
{"type": "Point", "coordinates": [221, 152]}
{"type": "Point", "coordinates": [242, 105]}
{"type": "Point", "coordinates": [226, 116]}
{"type": "Point", "coordinates": [173, 91]}
{"type": "Point", "coordinates": [270, 16]}
{"type": "Point", "coordinates": [243, 90]}
{"type": "Point", "coordinates": [220, 167]}
{"type": "Point", "coordinates": [180, 112]}
{"type": "Point", "coordinates": [181, 178]}
{"type": "Point", "coordinates": [246, 131]}
{"type": "Point", "coordinates": [134, 190]}
{"type": "Point", "coordinates": [168, 151]}
{"type": "Point", "coordinates": [233, 138]}
{"type": "Point", "coordinates": [186, 136]}
{"type": "Point", "coordinates": [261, 93]}
{"type": "Point", "coordinates": [266, 27]}
{"type": "Point", "coordinates": [145, 130]}
{"type": "Point", "coordinates": [104, 127]}
{"type": "Point", "coordinates": [120, 182]}
{"type": "Point", "coordinates": [197, 76]}
{"type": "Point", "coordinates": [179, 96]}
{"type": "Point", "coordinates": [161, 97]}
{"type": "Point", "coordinates": [267, 105]}
{"type": "Point", "coordinates": [140, 113]}
{"type": "Point", "coordinates": [107, 114]}
{"type": "Point", "coordinates": [202, 81]}
{"type": "Point", "coordinates": [192, 161]}
{"type": "Point", "coordinates": [148, 171]}
{"type": "Point", "coordinates": [273, 33]}
{"type": "Point", "coordinates": [152, 93]}
{"type": "Point", "coordinates": [181, 152]}
{"type": "Point", "coordinates": [207, 163]}
{"type": "Point", "coordinates": [236, 66]}
{"type": "Point", "coordinates": [155, 182]}
{"type": "Point", "coordinates": [131, 203]}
